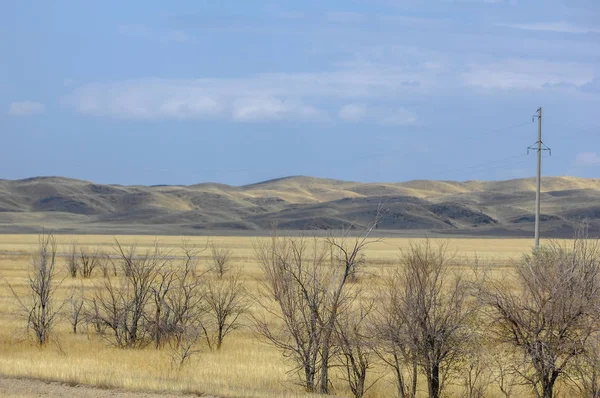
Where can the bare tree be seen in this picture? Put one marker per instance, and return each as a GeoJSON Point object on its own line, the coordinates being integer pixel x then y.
{"type": "Point", "coordinates": [550, 317]}
{"type": "Point", "coordinates": [426, 318]}
{"type": "Point", "coordinates": [123, 305]}
{"type": "Point", "coordinates": [346, 252]}
{"type": "Point", "coordinates": [72, 260]}
{"type": "Point", "coordinates": [355, 349]}
{"type": "Point", "coordinates": [76, 303]}
{"type": "Point", "coordinates": [586, 368]}
{"type": "Point", "coordinates": [92, 316]}
{"type": "Point", "coordinates": [88, 261]}
{"type": "Point", "coordinates": [39, 306]}
{"type": "Point", "coordinates": [293, 295]}
{"type": "Point", "coordinates": [478, 370]}
{"type": "Point", "coordinates": [221, 260]}
{"type": "Point", "coordinates": [182, 348]}
{"type": "Point", "coordinates": [161, 325]}
{"type": "Point", "coordinates": [309, 283]}
{"type": "Point", "coordinates": [178, 303]}
{"type": "Point", "coordinates": [395, 347]}
{"type": "Point", "coordinates": [226, 301]}
{"type": "Point", "coordinates": [505, 376]}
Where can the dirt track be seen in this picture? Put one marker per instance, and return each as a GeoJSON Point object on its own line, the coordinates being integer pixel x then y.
{"type": "Point", "coordinates": [26, 388]}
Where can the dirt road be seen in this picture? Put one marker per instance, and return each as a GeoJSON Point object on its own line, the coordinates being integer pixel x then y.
{"type": "Point", "coordinates": [28, 388]}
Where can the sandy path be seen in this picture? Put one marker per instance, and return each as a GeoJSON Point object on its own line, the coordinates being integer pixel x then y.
{"type": "Point", "coordinates": [27, 388]}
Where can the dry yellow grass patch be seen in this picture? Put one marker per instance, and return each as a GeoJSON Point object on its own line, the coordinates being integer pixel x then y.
{"type": "Point", "coordinates": [244, 367]}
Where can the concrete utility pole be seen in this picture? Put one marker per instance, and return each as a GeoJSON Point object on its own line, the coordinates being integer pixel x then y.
{"type": "Point", "coordinates": [538, 181]}
{"type": "Point", "coordinates": [538, 147]}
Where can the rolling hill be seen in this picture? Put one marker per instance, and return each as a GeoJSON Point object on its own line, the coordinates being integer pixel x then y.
{"type": "Point", "coordinates": [485, 208]}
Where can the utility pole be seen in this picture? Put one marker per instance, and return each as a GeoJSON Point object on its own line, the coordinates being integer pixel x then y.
{"type": "Point", "coordinates": [539, 147]}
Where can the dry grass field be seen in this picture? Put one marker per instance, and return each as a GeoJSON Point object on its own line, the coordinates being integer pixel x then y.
{"type": "Point", "coordinates": [244, 367]}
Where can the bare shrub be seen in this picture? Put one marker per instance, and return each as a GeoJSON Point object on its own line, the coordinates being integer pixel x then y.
{"type": "Point", "coordinates": [88, 261]}
{"type": "Point", "coordinates": [345, 255]}
{"type": "Point", "coordinates": [39, 306]}
{"type": "Point", "coordinates": [506, 378]}
{"type": "Point", "coordinates": [178, 302]}
{"type": "Point", "coordinates": [221, 260]}
{"type": "Point", "coordinates": [394, 345]}
{"type": "Point", "coordinates": [586, 368]}
{"type": "Point", "coordinates": [478, 370]}
{"type": "Point", "coordinates": [291, 295]}
{"type": "Point", "coordinates": [92, 316]}
{"type": "Point", "coordinates": [426, 319]}
{"type": "Point", "coordinates": [306, 289]}
{"type": "Point", "coordinates": [162, 324]}
{"type": "Point", "coordinates": [123, 304]}
{"type": "Point", "coordinates": [226, 301]}
{"type": "Point", "coordinates": [356, 351]}
{"type": "Point", "coordinates": [76, 303]}
{"type": "Point", "coordinates": [182, 348]}
{"type": "Point", "coordinates": [546, 312]}
{"type": "Point", "coordinates": [72, 260]}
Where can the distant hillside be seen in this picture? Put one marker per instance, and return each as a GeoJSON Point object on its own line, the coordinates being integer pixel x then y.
{"type": "Point", "coordinates": [490, 208]}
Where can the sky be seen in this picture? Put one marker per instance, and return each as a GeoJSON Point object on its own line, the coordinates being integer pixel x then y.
{"type": "Point", "coordinates": [236, 92]}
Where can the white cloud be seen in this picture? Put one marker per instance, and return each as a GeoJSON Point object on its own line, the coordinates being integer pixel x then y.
{"type": "Point", "coordinates": [587, 159]}
{"type": "Point", "coordinates": [558, 27]}
{"type": "Point", "coordinates": [259, 97]}
{"type": "Point", "coordinates": [145, 100]}
{"type": "Point", "coordinates": [527, 74]}
{"type": "Point", "coordinates": [398, 117]}
{"type": "Point", "coordinates": [379, 115]}
{"type": "Point", "coordinates": [352, 112]}
{"type": "Point", "coordinates": [26, 108]}
{"type": "Point", "coordinates": [261, 109]}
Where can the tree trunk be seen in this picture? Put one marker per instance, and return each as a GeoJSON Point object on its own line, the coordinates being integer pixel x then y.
{"type": "Point", "coordinates": [219, 337]}
{"type": "Point", "coordinates": [434, 381]}
{"type": "Point", "coordinates": [324, 388]}
{"type": "Point", "coordinates": [310, 378]}
{"type": "Point", "coordinates": [157, 327]}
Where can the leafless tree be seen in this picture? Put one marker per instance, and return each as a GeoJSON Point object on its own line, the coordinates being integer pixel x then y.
{"type": "Point", "coordinates": [293, 295]}
{"type": "Point", "coordinates": [39, 306]}
{"type": "Point", "coordinates": [546, 312]}
{"type": "Point", "coordinates": [505, 377]}
{"type": "Point", "coordinates": [178, 303]}
{"type": "Point", "coordinates": [92, 316]}
{"type": "Point", "coordinates": [76, 303]}
{"type": "Point", "coordinates": [308, 280]}
{"type": "Point", "coordinates": [88, 261]}
{"type": "Point", "coordinates": [478, 370]}
{"type": "Point", "coordinates": [226, 301]}
{"type": "Point", "coordinates": [123, 304]}
{"type": "Point", "coordinates": [161, 324]}
{"type": "Point", "coordinates": [183, 347]}
{"type": "Point", "coordinates": [586, 367]}
{"type": "Point", "coordinates": [346, 252]}
{"type": "Point", "coordinates": [353, 338]}
{"type": "Point", "coordinates": [394, 346]}
{"type": "Point", "coordinates": [221, 259]}
{"type": "Point", "coordinates": [426, 318]}
{"type": "Point", "coordinates": [72, 260]}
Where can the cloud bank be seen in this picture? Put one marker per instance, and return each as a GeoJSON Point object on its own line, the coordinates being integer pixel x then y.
{"type": "Point", "coordinates": [26, 108]}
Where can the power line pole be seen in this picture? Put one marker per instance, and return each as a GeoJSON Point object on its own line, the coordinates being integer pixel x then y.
{"type": "Point", "coordinates": [539, 147]}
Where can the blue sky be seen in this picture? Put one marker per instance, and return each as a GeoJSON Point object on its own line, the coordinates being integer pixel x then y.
{"type": "Point", "coordinates": [156, 92]}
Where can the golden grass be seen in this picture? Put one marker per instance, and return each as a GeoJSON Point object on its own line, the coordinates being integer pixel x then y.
{"type": "Point", "coordinates": [245, 367]}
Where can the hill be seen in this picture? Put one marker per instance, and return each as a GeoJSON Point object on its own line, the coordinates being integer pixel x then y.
{"type": "Point", "coordinates": [488, 208]}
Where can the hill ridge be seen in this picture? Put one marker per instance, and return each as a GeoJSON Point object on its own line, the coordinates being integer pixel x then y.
{"type": "Point", "coordinates": [475, 207]}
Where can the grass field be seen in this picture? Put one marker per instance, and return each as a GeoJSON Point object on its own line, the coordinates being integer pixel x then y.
{"type": "Point", "coordinates": [244, 367]}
